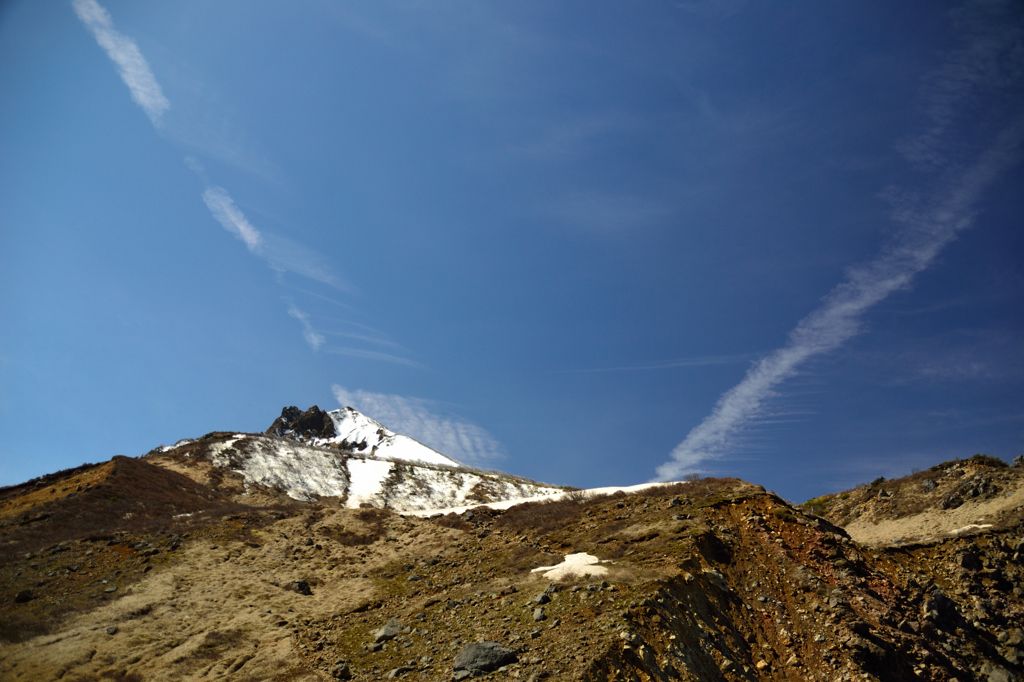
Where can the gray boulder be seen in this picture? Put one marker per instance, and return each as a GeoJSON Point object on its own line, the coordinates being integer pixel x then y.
{"type": "Point", "coordinates": [486, 656]}
{"type": "Point", "coordinates": [390, 630]}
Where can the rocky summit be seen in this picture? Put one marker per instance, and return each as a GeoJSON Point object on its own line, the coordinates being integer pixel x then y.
{"type": "Point", "coordinates": [232, 557]}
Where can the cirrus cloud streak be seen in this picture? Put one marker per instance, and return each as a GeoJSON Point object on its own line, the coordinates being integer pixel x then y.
{"type": "Point", "coordinates": [417, 419]}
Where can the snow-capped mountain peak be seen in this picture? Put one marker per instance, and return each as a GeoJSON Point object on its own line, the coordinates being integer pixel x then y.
{"type": "Point", "coordinates": [375, 439]}
{"type": "Point", "coordinates": [349, 430]}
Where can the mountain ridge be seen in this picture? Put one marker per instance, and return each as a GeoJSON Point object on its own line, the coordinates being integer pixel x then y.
{"type": "Point", "coordinates": [188, 564]}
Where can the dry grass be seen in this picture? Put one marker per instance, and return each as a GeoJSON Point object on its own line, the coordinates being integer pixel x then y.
{"type": "Point", "coordinates": [544, 516]}
{"type": "Point", "coordinates": [373, 521]}
{"type": "Point", "coordinates": [132, 496]}
{"type": "Point", "coordinates": [216, 644]}
{"type": "Point", "coordinates": [16, 628]}
{"type": "Point", "coordinates": [453, 520]}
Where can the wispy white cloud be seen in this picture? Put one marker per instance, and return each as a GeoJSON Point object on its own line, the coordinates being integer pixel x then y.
{"type": "Point", "coordinates": [839, 317]}
{"type": "Point", "coordinates": [608, 213]}
{"type": "Point", "coordinates": [983, 63]}
{"type": "Point", "coordinates": [376, 340]}
{"type": "Point", "coordinates": [992, 356]}
{"type": "Point", "coordinates": [125, 54]}
{"type": "Point", "coordinates": [312, 336]}
{"type": "Point", "coordinates": [223, 208]}
{"type": "Point", "coordinates": [375, 355]}
{"type": "Point", "coordinates": [418, 419]}
{"type": "Point", "coordinates": [924, 228]}
{"type": "Point", "coordinates": [285, 255]}
{"type": "Point", "coordinates": [281, 253]}
{"type": "Point", "coordinates": [703, 361]}
{"type": "Point", "coordinates": [566, 140]}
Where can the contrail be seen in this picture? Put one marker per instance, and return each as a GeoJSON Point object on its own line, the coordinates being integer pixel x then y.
{"type": "Point", "coordinates": [123, 51]}
{"type": "Point", "coordinates": [924, 231]}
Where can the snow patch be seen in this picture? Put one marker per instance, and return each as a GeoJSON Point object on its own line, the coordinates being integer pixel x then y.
{"type": "Point", "coordinates": [300, 472]}
{"type": "Point", "coordinates": [366, 480]}
{"type": "Point", "coordinates": [578, 564]}
{"type": "Point", "coordinates": [538, 494]}
{"type": "Point", "coordinates": [969, 528]}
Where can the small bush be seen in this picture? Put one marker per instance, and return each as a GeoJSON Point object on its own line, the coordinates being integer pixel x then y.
{"type": "Point", "coordinates": [783, 514]}
{"type": "Point", "coordinates": [216, 644]}
{"type": "Point", "coordinates": [988, 460]}
{"type": "Point", "coordinates": [453, 520]}
{"type": "Point", "coordinates": [542, 517]}
{"type": "Point", "coordinates": [528, 558]}
{"type": "Point", "coordinates": [14, 628]}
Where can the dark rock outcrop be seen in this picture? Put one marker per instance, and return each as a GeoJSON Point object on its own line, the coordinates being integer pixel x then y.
{"type": "Point", "coordinates": [301, 426]}
{"type": "Point", "coordinates": [486, 656]}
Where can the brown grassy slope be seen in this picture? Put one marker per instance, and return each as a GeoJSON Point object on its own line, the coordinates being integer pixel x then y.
{"type": "Point", "coordinates": [930, 503]}
{"type": "Point", "coordinates": [122, 494]}
{"type": "Point", "coordinates": [710, 580]}
{"type": "Point", "coordinates": [66, 538]}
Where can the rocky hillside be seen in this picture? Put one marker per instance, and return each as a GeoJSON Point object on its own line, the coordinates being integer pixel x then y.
{"type": "Point", "coordinates": [946, 500]}
{"type": "Point", "coordinates": [713, 579]}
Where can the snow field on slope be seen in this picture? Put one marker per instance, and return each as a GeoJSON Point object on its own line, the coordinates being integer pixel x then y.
{"type": "Point", "coordinates": [540, 494]}
{"type": "Point", "coordinates": [366, 480]}
{"type": "Point", "coordinates": [298, 471]}
{"type": "Point", "coordinates": [305, 473]}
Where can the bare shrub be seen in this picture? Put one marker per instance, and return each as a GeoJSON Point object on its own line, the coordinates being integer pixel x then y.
{"type": "Point", "coordinates": [348, 538]}
{"type": "Point", "coordinates": [373, 515]}
{"type": "Point", "coordinates": [528, 558]}
{"type": "Point", "coordinates": [544, 516]}
{"type": "Point", "coordinates": [374, 520]}
{"type": "Point", "coordinates": [216, 644]}
{"type": "Point", "coordinates": [14, 628]}
{"type": "Point", "coordinates": [453, 520]}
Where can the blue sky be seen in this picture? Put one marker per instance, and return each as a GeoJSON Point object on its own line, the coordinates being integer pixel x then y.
{"type": "Point", "coordinates": [588, 243]}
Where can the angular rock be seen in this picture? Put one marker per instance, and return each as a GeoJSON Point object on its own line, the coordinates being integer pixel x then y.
{"type": "Point", "coordinates": [486, 656]}
{"type": "Point", "coordinates": [391, 629]}
{"type": "Point", "coordinates": [341, 672]}
{"type": "Point", "coordinates": [302, 587]}
{"type": "Point", "coordinates": [539, 615]}
{"type": "Point", "coordinates": [313, 423]}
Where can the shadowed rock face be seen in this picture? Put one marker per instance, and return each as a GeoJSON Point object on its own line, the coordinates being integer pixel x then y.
{"type": "Point", "coordinates": [293, 423]}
